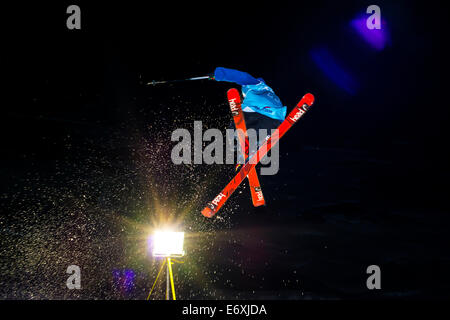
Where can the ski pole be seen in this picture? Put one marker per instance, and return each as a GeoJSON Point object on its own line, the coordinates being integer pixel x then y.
{"type": "Point", "coordinates": [154, 82]}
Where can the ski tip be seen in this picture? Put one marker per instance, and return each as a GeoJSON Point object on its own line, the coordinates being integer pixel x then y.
{"type": "Point", "coordinates": [308, 99]}
{"type": "Point", "coordinates": [259, 204]}
{"type": "Point", "coordinates": [207, 212]}
{"type": "Point", "coordinates": [233, 93]}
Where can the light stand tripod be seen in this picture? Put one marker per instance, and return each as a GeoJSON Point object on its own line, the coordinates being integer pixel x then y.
{"type": "Point", "coordinates": [170, 284]}
{"type": "Point", "coordinates": [167, 244]}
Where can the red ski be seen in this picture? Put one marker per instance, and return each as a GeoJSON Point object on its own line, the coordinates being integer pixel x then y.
{"type": "Point", "coordinates": [301, 108]}
{"type": "Point", "coordinates": [234, 99]}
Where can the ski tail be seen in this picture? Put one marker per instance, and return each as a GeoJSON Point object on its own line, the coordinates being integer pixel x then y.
{"type": "Point", "coordinates": [234, 100]}
{"type": "Point", "coordinates": [300, 109]}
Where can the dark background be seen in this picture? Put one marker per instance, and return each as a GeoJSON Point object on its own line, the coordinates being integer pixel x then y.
{"type": "Point", "coordinates": [86, 151]}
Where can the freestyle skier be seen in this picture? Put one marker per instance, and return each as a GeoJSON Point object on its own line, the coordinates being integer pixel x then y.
{"type": "Point", "coordinates": [263, 110]}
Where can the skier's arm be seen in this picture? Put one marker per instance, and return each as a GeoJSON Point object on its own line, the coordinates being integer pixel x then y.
{"type": "Point", "coordinates": [230, 75]}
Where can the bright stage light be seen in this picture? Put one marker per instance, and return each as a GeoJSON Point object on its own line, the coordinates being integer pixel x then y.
{"type": "Point", "coordinates": [168, 244]}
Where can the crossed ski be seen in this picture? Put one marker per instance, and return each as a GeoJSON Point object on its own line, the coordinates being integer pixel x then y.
{"type": "Point", "coordinates": [300, 109]}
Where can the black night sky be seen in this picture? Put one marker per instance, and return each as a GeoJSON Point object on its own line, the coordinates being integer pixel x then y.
{"type": "Point", "coordinates": [86, 169]}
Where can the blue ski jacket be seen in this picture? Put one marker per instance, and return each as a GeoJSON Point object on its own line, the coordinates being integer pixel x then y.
{"type": "Point", "coordinates": [258, 96]}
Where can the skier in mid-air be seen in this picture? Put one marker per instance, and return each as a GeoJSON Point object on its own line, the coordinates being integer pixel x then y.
{"type": "Point", "coordinates": [263, 110]}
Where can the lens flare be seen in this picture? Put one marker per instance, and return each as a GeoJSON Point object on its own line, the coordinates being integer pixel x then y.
{"type": "Point", "coordinates": [376, 38]}
{"type": "Point", "coordinates": [334, 70]}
